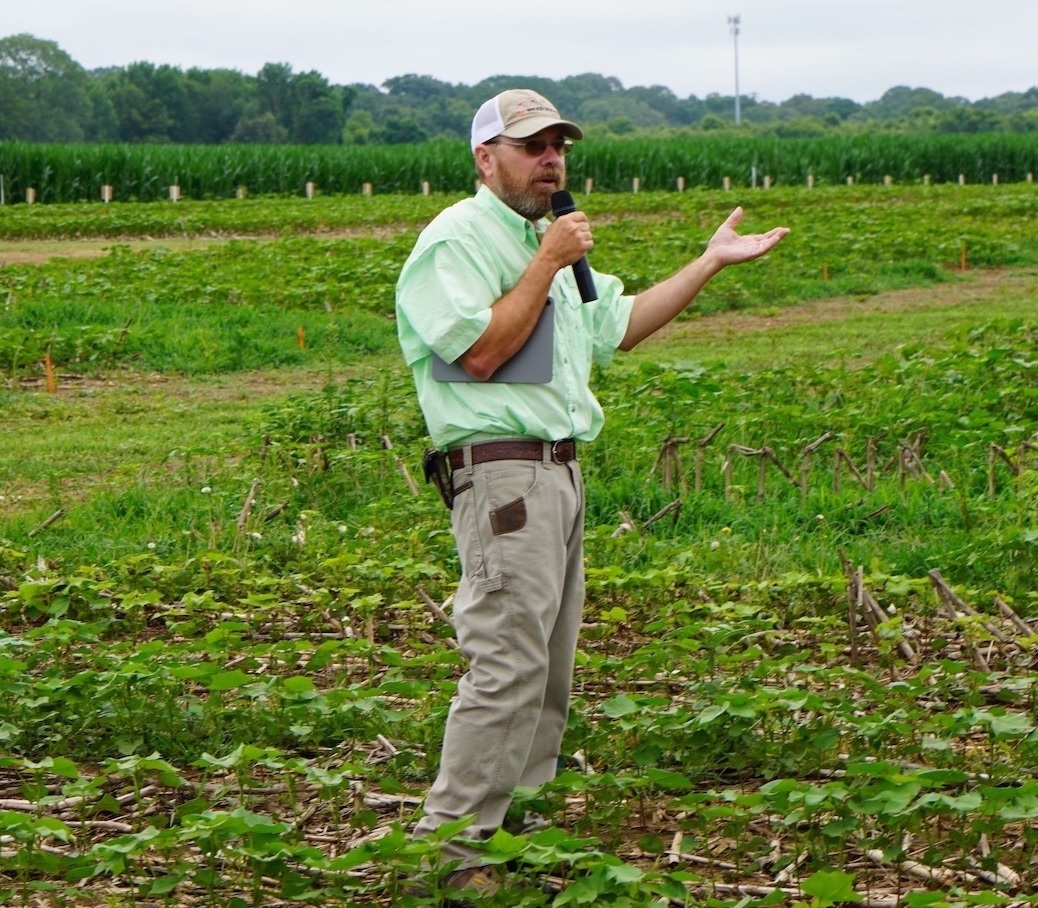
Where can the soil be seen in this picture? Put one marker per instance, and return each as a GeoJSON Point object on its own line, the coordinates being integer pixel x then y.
{"type": "Point", "coordinates": [718, 864]}
{"type": "Point", "coordinates": [978, 286]}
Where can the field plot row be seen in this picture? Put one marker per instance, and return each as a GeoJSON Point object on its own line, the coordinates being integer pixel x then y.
{"type": "Point", "coordinates": [55, 173]}
{"type": "Point", "coordinates": [805, 674]}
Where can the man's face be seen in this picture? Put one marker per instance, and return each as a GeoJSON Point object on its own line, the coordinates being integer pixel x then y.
{"type": "Point", "coordinates": [525, 181]}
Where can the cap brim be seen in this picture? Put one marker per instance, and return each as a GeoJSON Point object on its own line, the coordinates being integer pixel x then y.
{"type": "Point", "coordinates": [528, 126]}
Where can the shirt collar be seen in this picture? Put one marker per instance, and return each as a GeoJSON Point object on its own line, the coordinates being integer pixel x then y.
{"type": "Point", "coordinates": [522, 228]}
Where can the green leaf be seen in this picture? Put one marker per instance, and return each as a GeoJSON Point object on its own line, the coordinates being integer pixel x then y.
{"type": "Point", "coordinates": [619, 706]}
{"type": "Point", "coordinates": [229, 680]}
{"type": "Point", "coordinates": [831, 887]}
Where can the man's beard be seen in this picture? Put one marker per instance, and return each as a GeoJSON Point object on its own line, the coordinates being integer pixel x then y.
{"type": "Point", "coordinates": [529, 200]}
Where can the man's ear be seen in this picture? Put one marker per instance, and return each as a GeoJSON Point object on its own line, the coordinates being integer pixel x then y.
{"type": "Point", "coordinates": [484, 161]}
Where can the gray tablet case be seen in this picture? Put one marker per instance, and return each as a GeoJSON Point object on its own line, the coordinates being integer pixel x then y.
{"type": "Point", "coordinates": [531, 365]}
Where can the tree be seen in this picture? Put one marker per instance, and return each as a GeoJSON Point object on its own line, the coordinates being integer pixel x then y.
{"type": "Point", "coordinates": [103, 124]}
{"type": "Point", "coordinates": [43, 92]}
{"type": "Point", "coordinates": [360, 128]}
{"type": "Point", "coordinates": [318, 112]}
{"type": "Point", "coordinates": [152, 104]}
{"type": "Point", "coordinates": [659, 98]}
{"type": "Point", "coordinates": [801, 106]}
{"type": "Point", "coordinates": [417, 89]}
{"type": "Point", "coordinates": [397, 131]}
{"type": "Point", "coordinates": [218, 97]}
{"type": "Point", "coordinates": [967, 119]}
{"type": "Point", "coordinates": [305, 105]}
{"type": "Point", "coordinates": [608, 110]}
{"type": "Point", "coordinates": [260, 129]}
{"type": "Point", "coordinates": [901, 100]}
{"type": "Point", "coordinates": [274, 91]}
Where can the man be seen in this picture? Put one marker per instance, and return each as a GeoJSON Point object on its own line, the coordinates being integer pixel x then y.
{"type": "Point", "coordinates": [474, 289]}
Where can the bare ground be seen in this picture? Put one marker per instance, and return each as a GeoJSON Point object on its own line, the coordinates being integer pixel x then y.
{"type": "Point", "coordinates": [974, 288]}
{"type": "Point", "coordinates": [718, 862]}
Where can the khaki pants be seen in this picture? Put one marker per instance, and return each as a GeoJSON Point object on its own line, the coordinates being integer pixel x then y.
{"type": "Point", "coordinates": [519, 527]}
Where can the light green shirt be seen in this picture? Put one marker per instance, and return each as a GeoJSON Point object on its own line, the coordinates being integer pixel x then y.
{"type": "Point", "coordinates": [470, 256]}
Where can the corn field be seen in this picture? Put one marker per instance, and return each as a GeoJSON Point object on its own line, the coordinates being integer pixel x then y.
{"type": "Point", "coordinates": [76, 173]}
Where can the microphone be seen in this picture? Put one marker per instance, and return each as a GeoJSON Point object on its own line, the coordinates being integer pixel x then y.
{"type": "Point", "coordinates": [562, 203]}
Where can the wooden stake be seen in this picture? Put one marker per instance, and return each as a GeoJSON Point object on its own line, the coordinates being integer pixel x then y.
{"type": "Point", "coordinates": [48, 369]}
{"type": "Point", "coordinates": [301, 337]}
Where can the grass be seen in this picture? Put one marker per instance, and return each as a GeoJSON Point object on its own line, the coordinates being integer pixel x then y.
{"type": "Point", "coordinates": [224, 645]}
{"type": "Point", "coordinates": [852, 330]}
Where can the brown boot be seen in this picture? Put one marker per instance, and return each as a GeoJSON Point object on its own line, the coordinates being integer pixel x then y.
{"type": "Point", "coordinates": [472, 882]}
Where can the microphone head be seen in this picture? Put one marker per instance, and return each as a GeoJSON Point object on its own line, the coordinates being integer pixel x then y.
{"type": "Point", "coordinates": [562, 203]}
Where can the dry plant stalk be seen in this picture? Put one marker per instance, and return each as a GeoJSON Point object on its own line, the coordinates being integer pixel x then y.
{"type": "Point", "coordinates": [402, 467]}
{"type": "Point", "coordinates": [246, 508]}
{"type": "Point", "coordinates": [701, 447]}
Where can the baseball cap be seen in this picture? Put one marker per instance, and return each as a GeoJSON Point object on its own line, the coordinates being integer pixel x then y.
{"type": "Point", "coordinates": [518, 113]}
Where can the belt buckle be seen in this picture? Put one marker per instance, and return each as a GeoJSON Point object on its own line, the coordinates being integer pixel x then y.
{"type": "Point", "coordinates": [555, 452]}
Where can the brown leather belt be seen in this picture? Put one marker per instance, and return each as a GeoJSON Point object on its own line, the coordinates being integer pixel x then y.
{"type": "Point", "coordinates": [483, 452]}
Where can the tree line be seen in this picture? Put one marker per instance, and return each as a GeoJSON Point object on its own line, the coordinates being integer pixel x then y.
{"type": "Point", "coordinates": [46, 96]}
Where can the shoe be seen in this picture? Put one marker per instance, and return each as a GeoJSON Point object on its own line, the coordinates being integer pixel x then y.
{"type": "Point", "coordinates": [461, 886]}
{"type": "Point", "coordinates": [481, 882]}
{"type": "Point", "coordinates": [530, 823]}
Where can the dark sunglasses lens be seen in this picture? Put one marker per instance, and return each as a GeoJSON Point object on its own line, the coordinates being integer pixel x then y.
{"type": "Point", "coordinates": [536, 147]}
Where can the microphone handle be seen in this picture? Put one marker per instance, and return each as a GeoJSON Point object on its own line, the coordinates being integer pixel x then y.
{"type": "Point", "coordinates": [562, 204]}
{"type": "Point", "coordinates": [585, 282]}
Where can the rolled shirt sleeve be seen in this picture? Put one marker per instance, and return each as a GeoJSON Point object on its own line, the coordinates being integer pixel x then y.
{"type": "Point", "coordinates": [470, 256]}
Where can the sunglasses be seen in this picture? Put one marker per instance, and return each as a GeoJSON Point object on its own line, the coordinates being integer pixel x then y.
{"type": "Point", "coordinates": [536, 147]}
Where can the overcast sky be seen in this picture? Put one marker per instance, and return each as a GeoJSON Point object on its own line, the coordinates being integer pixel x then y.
{"type": "Point", "coordinates": [823, 48]}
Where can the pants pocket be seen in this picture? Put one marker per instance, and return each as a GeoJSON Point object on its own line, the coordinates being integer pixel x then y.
{"type": "Point", "coordinates": [508, 519]}
{"type": "Point", "coordinates": [496, 508]}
